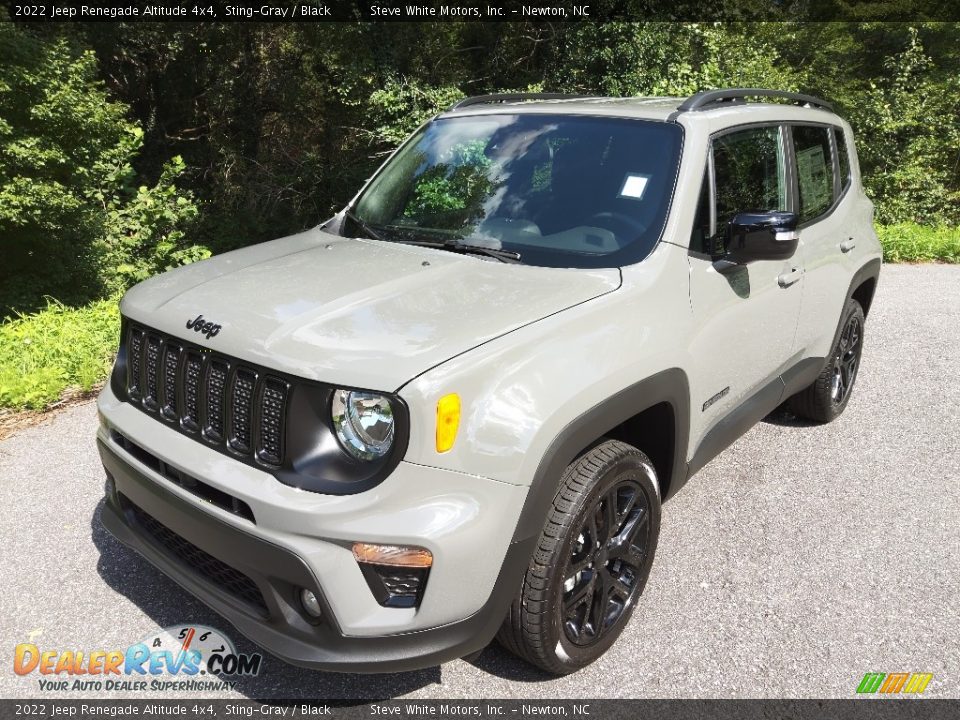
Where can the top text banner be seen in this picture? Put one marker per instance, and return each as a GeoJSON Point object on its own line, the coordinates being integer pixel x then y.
{"type": "Point", "coordinates": [483, 11]}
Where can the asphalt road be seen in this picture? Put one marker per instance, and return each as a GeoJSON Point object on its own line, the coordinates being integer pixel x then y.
{"type": "Point", "coordinates": [798, 560]}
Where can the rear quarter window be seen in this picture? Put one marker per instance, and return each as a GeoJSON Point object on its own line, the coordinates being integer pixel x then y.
{"type": "Point", "coordinates": [843, 156]}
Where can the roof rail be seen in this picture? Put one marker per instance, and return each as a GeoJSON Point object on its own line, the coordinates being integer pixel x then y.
{"type": "Point", "coordinates": [704, 99]}
{"type": "Point", "coordinates": [511, 97]}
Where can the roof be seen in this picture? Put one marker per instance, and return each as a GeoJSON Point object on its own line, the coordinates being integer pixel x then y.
{"type": "Point", "coordinates": [712, 105]}
{"type": "Point", "coordinates": [655, 108]}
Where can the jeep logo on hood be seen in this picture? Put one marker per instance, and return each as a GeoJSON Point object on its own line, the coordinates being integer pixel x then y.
{"type": "Point", "coordinates": [203, 326]}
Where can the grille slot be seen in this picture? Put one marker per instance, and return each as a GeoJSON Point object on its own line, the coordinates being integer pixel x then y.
{"type": "Point", "coordinates": [171, 364]}
{"type": "Point", "coordinates": [273, 403]}
{"type": "Point", "coordinates": [193, 368]}
{"type": "Point", "coordinates": [241, 432]}
{"type": "Point", "coordinates": [152, 367]}
{"type": "Point", "coordinates": [216, 384]}
{"type": "Point", "coordinates": [214, 571]}
{"type": "Point", "coordinates": [134, 362]}
{"type": "Point", "coordinates": [238, 407]}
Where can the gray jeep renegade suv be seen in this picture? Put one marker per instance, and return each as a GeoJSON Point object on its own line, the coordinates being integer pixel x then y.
{"type": "Point", "coordinates": [453, 410]}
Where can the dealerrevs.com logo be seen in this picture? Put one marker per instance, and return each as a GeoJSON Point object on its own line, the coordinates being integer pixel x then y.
{"type": "Point", "coordinates": [181, 657]}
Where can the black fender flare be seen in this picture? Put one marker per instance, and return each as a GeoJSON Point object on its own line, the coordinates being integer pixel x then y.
{"type": "Point", "coordinates": [670, 386]}
{"type": "Point", "coordinates": [870, 270]}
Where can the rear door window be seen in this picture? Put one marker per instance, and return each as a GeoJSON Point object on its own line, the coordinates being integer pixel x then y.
{"type": "Point", "coordinates": [811, 146]}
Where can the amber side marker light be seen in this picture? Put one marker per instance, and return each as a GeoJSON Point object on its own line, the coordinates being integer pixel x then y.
{"type": "Point", "coordinates": [395, 555]}
{"type": "Point", "coordinates": [448, 421]}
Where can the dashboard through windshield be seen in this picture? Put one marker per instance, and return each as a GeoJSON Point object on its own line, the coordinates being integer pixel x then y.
{"type": "Point", "coordinates": [555, 190]}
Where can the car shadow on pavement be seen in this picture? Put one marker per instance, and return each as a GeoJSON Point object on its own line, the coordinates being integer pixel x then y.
{"type": "Point", "coordinates": [167, 604]}
{"type": "Point", "coordinates": [495, 660]}
{"type": "Point", "coordinates": [784, 418]}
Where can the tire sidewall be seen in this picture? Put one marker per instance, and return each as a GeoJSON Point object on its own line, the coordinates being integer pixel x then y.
{"type": "Point", "coordinates": [631, 466]}
{"type": "Point", "coordinates": [852, 309]}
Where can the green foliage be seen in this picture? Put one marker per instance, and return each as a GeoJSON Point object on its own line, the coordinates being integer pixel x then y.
{"type": "Point", "coordinates": [69, 216]}
{"type": "Point", "coordinates": [401, 105]}
{"type": "Point", "coordinates": [910, 242]}
{"type": "Point", "coordinates": [624, 59]}
{"type": "Point", "coordinates": [146, 234]}
{"type": "Point", "coordinates": [909, 139]}
{"type": "Point", "coordinates": [43, 354]}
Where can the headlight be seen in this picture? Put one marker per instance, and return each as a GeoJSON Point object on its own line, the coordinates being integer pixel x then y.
{"type": "Point", "coordinates": [364, 423]}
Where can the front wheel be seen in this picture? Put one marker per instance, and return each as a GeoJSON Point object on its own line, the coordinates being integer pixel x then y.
{"type": "Point", "coordinates": [591, 562]}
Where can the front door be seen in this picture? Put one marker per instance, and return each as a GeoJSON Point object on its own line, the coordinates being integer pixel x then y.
{"type": "Point", "coordinates": [747, 318]}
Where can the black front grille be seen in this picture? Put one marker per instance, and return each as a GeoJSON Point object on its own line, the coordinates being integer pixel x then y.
{"type": "Point", "coordinates": [225, 402]}
{"type": "Point", "coordinates": [215, 571]}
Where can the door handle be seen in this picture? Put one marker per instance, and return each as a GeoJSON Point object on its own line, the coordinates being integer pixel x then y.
{"type": "Point", "coordinates": [848, 245]}
{"type": "Point", "coordinates": [789, 278]}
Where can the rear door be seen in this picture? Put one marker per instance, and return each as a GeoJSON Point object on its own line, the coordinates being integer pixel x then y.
{"type": "Point", "coordinates": [827, 237]}
{"type": "Point", "coordinates": [746, 319]}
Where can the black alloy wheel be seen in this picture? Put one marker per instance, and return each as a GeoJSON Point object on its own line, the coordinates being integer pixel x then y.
{"type": "Point", "coordinates": [591, 562]}
{"type": "Point", "coordinates": [604, 565]}
{"type": "Point", "coordinates": [846, 361]}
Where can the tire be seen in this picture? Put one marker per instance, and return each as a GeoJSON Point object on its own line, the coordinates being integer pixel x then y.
{"type": "Point", "coordinates": [827, 397]}
{"type": "Point", "coordinates": [554, 622]}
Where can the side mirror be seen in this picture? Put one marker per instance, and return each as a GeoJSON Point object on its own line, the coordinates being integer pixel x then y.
{"type": "Point", "coordinates": [760, 236]}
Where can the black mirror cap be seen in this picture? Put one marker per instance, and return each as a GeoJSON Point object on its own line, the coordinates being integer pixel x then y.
{"type": "Point", "coordinates": [763, 236]}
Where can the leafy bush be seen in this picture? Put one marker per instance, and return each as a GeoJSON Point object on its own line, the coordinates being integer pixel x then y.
{"type": "Point", "coordinates": [910, 242]}
{"type": "Point", "coordinates": [666, 58]}
{"type": "Point", "coordinates": [908, 126]}
{"type": "Point", "coordinates": [399, 107]}
{"type": "Point", "coordinates": [71, 223]}
{"type": "Point", "coordinates": [43, 354]}
{"type": "Point", "coordinates": [146, 234]}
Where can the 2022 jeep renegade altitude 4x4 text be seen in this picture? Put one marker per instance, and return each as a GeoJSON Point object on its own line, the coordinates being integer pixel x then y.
{"type": "Point", "coordinates": [453, 410]}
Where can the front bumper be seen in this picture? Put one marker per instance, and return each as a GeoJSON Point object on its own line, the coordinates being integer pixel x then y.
{"type": "Point", "coordinates": [251, 572]}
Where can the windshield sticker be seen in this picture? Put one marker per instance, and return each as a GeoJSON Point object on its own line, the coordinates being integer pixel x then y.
{"type": "Point", "coordinates": [634, 186]}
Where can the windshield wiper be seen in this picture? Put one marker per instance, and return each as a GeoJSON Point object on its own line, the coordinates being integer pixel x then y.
{"type": "Point", "coordinates": [363, 225]}
{"type": "Point", "coordinates": [451, 245]}
{"type": "Point", "coordinates": [467, 249]}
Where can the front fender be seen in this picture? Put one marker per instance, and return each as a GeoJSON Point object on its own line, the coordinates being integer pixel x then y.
{"type": "Point", "coordinates": [533, 399]}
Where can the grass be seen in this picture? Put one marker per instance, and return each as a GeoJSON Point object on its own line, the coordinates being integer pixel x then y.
{"type": "Point", "coordinates": [909, 242]}
{"type": "Point", "coordinates": [47, 353]}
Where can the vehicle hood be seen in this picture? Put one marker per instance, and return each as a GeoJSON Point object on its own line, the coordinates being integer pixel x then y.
{"type": "Point", "coordinates": [354, 312]}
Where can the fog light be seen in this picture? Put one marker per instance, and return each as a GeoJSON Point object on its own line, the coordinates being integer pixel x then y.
{"type": "Point", "coordinates": [310, 603]}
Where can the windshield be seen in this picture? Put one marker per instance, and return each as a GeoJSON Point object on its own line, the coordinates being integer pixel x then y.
{"type": "Point", "coordinates": [559, 190]}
